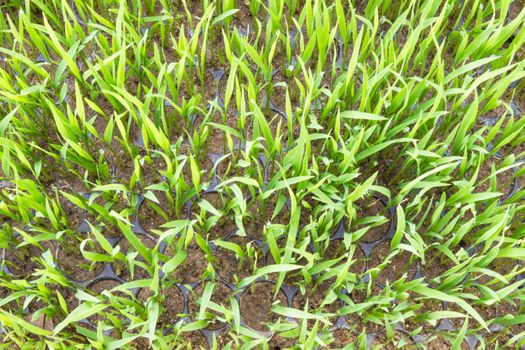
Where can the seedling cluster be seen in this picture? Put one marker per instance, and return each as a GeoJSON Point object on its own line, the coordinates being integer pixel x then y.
{"type": "Point", "coordinates": [278, 174]}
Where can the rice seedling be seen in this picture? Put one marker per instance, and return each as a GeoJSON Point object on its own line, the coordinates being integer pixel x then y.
{"type": "Point", "coordinates": [277, 174]}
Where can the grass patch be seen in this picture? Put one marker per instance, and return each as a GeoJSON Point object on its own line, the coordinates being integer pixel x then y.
{"type": "Point", "coordinates": [262, 174]}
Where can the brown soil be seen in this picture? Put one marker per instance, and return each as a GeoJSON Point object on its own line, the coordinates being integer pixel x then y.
{"type": "Point", "coordinates": [122, 268]}
{"type": "Point", "coordinates": [172, 302]}
{"type": "Point", "coordinates": [395, 267]}
{"type": "Point", "coordinates": [425, 307]}
{"type": "Point", "coordinates": [256, 305]}
{"type": "Point", "coordinates": [391, 167]}
{"type": "Point", "coordinates": [43, 322]}
{"type": "Point", "coordinates": [372, 327]}
{"type": "Point", "coordinates": [357, 321]}
{"type": "Point", "coordinates": [223, 339]}
{"type": "Point", "coordinates": [221, 168]}
{"type": "Point", "coordinates": [515, 8]}
{"type": "Point", "coordinates": [267, 167]}
{"type": "Point", "coordinates": [140, 344]}
{"type": "Point", "coordinates": [277, 124]}
{"type": "Point", "coordinates": [490, 118]}
{"type": "Point", "coordinates": [399, 340]}
{"type": "Point", "coordinates": [223, 228]}
{"type": "Point", "coordinates": [279, 342]}
{"type": "Point", "coordinates": [521, 178]}
{"type": "Point", "coordinates": [360, 295]}
{"type": "Point", "coordinates": [292, 277]}
{"type": "Point", "coordinates": [371, 209]}
{"type": "Point", "coordinates": [229, 267]}
{"type": "Point", "coordinates": [67, 293]}
{"type": "Point", "coordinates": [487, 312]}
{"type": "Point", "coordinates": [504, 180]}
{"type": "Point", "coordinates": [193, 268]}
{"type": "Point", "coordinates": [260, 215]}
{"type": "Point", "coordinates": [437, 342]}
{"type": "Point", "coordinates": [194, 339]}
{"type": "Point", "coordinates": [436, 265]}
{"type": "Point", "coordinates": [21, 261]}
{"type": "Point", "coordinates": [70, 259]}
{"type": "Point", "coordinates": [73, 214]}
{"type": "Point", "coordinates": [218, 138]}
{"type": "Point", "coordinates": [503, 266]}
{"type": "Point", "coordinates": [105, 285]}
{"type": "Point", "coordinates": [341, 338]}
{"type": "Point", "coordinates": [12, 305]}
{"type": "Point", "coordinates": [500, 340]}
{"type": "Point", "coordinates": [337, 249]}
{"type": "Point", "coordinates": [151, 214]}
{"type": "Point", "coordinates": [221, 295]}
{"type": "Point", "coordinates": [97, 289]}
{"type": "Point", "coordinates": [126, 247]}
{"type": "Point", "coordinates": [422, 218]}
{"type": "Point", "coordinates": [505, 308]}
{"type": "Point", "coordinates": [218, 200]}
{"type": "Point", "coordinates": [315, 297]}
{"type": "Point", "coordinates": [98, 212]}
{"type": "Point", "coordinates": [354, 322]}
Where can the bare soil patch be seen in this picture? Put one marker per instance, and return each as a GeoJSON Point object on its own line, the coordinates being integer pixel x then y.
{"type": "Point", "coordinates": [256, 305]}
